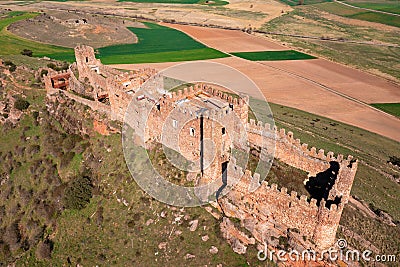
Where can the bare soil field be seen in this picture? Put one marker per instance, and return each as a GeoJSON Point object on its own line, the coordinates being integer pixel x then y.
{"type": "Point", "coordinates": [237, 16]}
{"type": "Point", "coordinates": [355, 83]}
{"type": "Point", "coordinates": [273, 8]}
{"type": "Point", "coordinates": [288, 90]}
{"type": "Point", "coordinates": [228, 40]}
{"type": "Point", "coordinates": [379, 56]}
{"type": "Point", "coordinates": [71, 29]}
{"type": "Point", "coordinates": [351, 82]}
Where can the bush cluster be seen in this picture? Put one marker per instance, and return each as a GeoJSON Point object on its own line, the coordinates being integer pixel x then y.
{"type": "Point", "coordinates": [78, 193]}
{"type": "Point", "coordinates": [21, 104]}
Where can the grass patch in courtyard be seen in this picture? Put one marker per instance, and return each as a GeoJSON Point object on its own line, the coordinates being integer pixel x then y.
{"type": "Point", "coordinates": [273, 55]}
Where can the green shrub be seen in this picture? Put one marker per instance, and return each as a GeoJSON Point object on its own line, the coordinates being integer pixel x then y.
{"type": "Point", "coordinates": [283, 242]}
{"type": "Point", "coordinates": [51, 66]}
{"type": "Point", "coordinates": [35, 115]}
{"type": "Point", "coordinates": [66, 159]}
{"type": "Point", "coordinates": [43, 73]}
{"type": "Point", "coordinates": [394, 160]}
{"type": "Point", "coordinates": [21, 104]}
{"type": "Point", "coordinates": [11, 66]}
{"type": "Point", "coordinates": [65, 66]}
{"type": "Point", "coordinates": [27, 52]}
{"type": "Point", "coordinates": [78, 193]}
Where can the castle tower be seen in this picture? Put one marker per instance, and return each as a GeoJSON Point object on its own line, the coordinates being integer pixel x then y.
{"type": "Point", "coordinates": [84, 57]}
{"type": "Point", "coordinates": [327, 223]}
{"type": "Point", "coordinates": [344, 181]}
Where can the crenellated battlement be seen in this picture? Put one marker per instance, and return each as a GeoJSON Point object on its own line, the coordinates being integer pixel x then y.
{"type": "Point", "coordinates": [248, 179]}
{"type": "Point", "coordinates": [267, 131]}
{"type": "Point", "coordinates": [212, 114]}
{"type": "Point", "coordinates": [315, 221]}
{"type": "Point", "coordinates": [187, 92]}
{"type": "Point", "coordinates": [210, 91]}
{"type": "Point", "coordinates": [230, 98]}
{"type": "Point", "coordinates": [54, 73]}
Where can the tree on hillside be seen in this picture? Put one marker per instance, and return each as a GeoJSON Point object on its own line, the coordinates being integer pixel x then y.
{"type": "Point", "coordinates": [27, 52]}
{"type": "Point", "coordinates": [21, 104]}
{"type": "Point", "coordinates": [78, 193]}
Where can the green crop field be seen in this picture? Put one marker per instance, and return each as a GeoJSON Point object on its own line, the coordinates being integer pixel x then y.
{"type": "Point", "coordinates": [391, 108]}
{"type": "Point", "coordinates": [354, 13]}
{"type": "Point", "coordinates": [203, 2]}
{"type": "Point", "coordinates": [387, 6]}
{"type": "Point", "coordinates": [13, 45]}
{"type": "Point", "coordinates": [273, 55]}
{"type": "Point", "coordinates": [377, 17]}
{"type": "Point", "coordinates": [157, 44]}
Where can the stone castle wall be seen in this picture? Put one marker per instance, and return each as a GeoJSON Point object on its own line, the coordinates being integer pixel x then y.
{"type": "Point", "coordinates": [294, 153]}
{"type": "Point", "coordinates": [76, 86]}
{"type": "Point", "coordinates": [316, 221]}
{"type": "Point", "coordinates": [266, 207]}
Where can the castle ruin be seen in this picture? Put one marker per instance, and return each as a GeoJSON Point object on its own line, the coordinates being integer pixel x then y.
{"type": "Point", "coordinates": [193, 115]}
